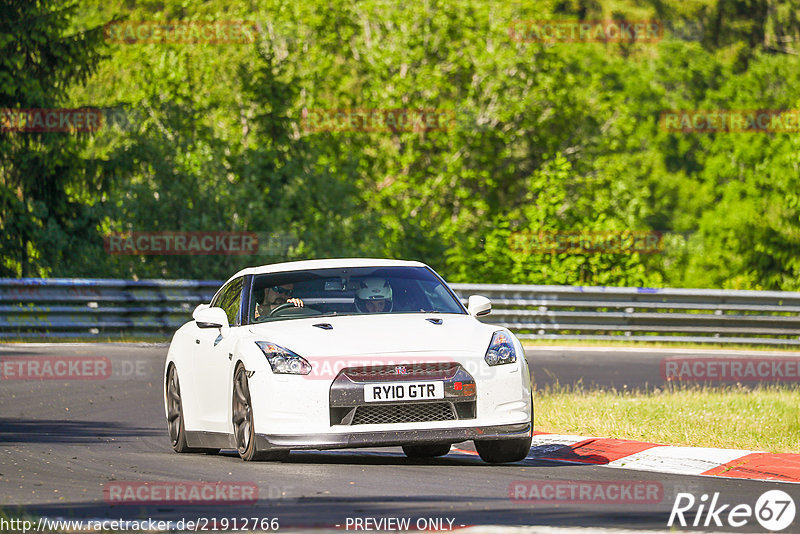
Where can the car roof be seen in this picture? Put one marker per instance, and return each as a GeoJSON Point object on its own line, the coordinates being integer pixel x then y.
{"type": "Point", "coordinates": [333, 263]}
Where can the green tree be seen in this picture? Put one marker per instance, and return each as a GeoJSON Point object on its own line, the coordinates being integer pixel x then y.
{"type": "Point", "coordinates": [46, 187]}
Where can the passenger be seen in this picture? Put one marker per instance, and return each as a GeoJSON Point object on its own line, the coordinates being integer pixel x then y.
{"type": "Point", "coordinates": [374, 296]}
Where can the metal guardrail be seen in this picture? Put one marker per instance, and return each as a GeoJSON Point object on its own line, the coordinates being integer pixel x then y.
{"type": "Point", "coordinates": [643, 314]}
{"type": "Point", "coordinates": [85, 308]}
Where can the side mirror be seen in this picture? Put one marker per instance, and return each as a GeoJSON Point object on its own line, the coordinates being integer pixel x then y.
{"type": "Point", "coordinates": [200, 307]}
{"type": "Point", "coordinates": [478, 306]}
{"type": "Point", "coordinates": [211, 318]}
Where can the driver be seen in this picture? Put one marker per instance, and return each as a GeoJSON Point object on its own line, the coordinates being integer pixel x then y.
{"type": "Point", "coordinates": [374, 296]}
{"type": "Point", "coordinates": [274, 296]}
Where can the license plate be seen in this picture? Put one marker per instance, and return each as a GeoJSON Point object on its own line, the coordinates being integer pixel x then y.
{"type": "Point", "coordinates": [403, 391]}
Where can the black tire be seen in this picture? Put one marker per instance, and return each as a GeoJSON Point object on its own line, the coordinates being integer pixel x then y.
{"type": "Point", "coordinates": [177, 432]}
{"type": "Point", "coordinates": [243, 429]}
{"type": "Point", "coordinates": [503, 451]}
{"type": "Point", "coordinates": [431, 450]}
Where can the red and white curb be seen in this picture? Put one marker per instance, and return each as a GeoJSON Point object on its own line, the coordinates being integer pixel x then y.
{"type": "Point", "coordinates": [643, 456]}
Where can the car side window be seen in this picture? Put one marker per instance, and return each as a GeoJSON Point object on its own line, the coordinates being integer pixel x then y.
{"type": "Point", "coordinates": [230, 300]}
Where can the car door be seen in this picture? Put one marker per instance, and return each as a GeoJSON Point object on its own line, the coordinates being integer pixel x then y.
{"type": "Point", "coordinates": [214, 372]}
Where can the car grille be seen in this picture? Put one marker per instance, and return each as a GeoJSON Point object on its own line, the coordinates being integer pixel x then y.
{"type": "Point", "coordinates": [403, 413]}
{"type": "Point", "coordinates": [409, 371]}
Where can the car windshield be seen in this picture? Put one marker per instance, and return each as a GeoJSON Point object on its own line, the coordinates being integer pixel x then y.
{"type": "Point", "coordinates": [349, 291]}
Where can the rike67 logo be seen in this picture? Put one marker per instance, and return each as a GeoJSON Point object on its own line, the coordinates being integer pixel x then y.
{"type": "Point", "coordinates": [774, 510]}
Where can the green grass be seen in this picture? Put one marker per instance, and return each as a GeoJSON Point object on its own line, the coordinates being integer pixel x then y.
{"type": "Point", "coordinates": [766, 418]}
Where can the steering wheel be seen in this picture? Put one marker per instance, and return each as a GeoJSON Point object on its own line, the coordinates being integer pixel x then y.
{"type": "Point", "coordinates": [281, 307]}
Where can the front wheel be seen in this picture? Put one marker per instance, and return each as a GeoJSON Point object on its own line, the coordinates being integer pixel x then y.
{"type": "Point", "coordinates": [243, 428]}
{"type": "Point", "coordinates": [502, 451]}
{"type": "Point", "coordinates": [426, 451]}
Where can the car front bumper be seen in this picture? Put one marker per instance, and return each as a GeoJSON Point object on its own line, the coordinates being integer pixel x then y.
{"type": "Point", "coordinates": [288, 405]}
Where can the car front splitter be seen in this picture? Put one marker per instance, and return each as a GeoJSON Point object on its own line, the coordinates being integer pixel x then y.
{"type": "Point", "coordinates": [388, 438]}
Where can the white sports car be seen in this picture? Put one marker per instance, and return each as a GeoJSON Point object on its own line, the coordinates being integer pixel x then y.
{"type": "Point", "coordinates": [343, 353]}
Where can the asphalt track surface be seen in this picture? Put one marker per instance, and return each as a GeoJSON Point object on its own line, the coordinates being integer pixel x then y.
{"type": "Point", "coordinates": [64, 441]}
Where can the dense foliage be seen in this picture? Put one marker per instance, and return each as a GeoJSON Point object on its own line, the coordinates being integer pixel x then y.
{"type": "Point", "coordinates": [543, 137]}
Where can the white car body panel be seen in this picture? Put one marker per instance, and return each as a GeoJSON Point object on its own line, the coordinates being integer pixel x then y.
{"type": "Point", "coordinates": [290, 408]}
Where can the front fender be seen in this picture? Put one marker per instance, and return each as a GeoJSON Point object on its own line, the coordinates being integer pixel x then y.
{"type": "Point", "coordinates": [172, 356]}
{"type": "Point", "coordinates": [251, 356]}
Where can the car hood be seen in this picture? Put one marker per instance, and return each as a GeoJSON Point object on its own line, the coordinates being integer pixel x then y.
{"type": "Point", "coordinates": [378, 334]}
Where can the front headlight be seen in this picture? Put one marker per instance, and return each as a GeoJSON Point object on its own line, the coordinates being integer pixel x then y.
{"type": "Point", "coordinates": [284, 361]}
{"type": "Point", "coordinates": [501, 350]}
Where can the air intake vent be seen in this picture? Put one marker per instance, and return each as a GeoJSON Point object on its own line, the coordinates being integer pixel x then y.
{"type": "Point", "coordinates": [404, 413]}
{"type": "Point", "coordinates": [429, 371]}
